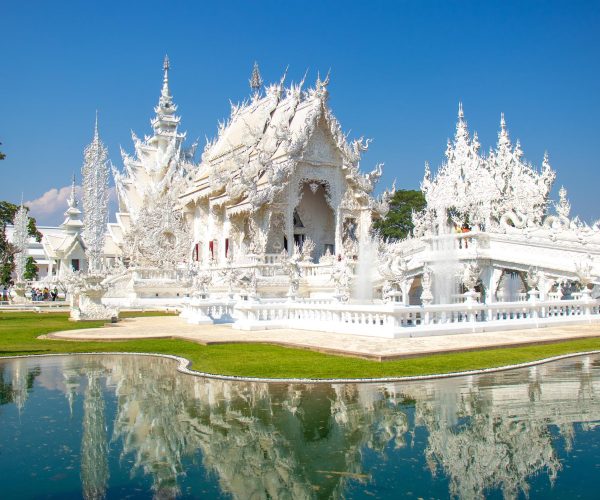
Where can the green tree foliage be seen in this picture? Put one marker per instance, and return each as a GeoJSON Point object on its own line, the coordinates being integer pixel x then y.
{"type": "Point", "coordinates": [397, 224]}
{"type": "Point", "coordinates": [31, 269]}
{"type": "Point", "coordinates": [6, 266]}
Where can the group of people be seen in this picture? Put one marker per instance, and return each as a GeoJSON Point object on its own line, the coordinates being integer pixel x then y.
{"type": "Point", "coordinates": [41, 294]}
{"type": "Point", "coordinates": [36, 294]}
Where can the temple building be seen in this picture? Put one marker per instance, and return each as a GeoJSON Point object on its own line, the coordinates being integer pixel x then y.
{"type": "Point", "coordinates": [280, 173]}
{"type": "Point", "coordinates": [272, 228]}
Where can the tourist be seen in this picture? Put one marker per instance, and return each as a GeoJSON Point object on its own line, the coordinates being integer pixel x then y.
{"type": "Point", "coordinates": [54, 294]}
{"type": "Point", "coordinates": [465, 229]}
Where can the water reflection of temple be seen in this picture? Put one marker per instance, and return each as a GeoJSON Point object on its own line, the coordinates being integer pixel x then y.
{"type": "Point", "coordinates": [491, 432]}
{"type": "Point", "coordinates": [266, 440]}
{"type": "Point", "coordinates": [260, 440]}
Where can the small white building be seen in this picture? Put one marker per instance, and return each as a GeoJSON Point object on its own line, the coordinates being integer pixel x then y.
{"type": "Point", "coordinates": [61, 248]}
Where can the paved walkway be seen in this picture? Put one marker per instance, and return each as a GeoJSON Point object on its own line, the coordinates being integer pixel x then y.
{"type": "Point", "coordinates": [352, 345]}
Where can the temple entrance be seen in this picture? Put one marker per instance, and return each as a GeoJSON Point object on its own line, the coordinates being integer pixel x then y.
{"type": "Point", "coordinates": [314, 219]}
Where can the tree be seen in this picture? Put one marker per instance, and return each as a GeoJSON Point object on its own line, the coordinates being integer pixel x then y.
{"type": "Point", "coordinates": [31, 270]}
{"type": "Point", "coordinates": [397, 224]}
{"type": "Point", "coordinates": [6, 266]}
{"type": "Point", "coordinates": [2, 155]}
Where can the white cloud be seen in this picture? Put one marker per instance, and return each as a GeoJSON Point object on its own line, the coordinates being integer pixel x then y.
{"type": "Point", "coordinates": [49, 208]}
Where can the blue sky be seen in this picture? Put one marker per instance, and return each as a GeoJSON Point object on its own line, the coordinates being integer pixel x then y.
{"type": "Point", "coordinates": [398, 71]}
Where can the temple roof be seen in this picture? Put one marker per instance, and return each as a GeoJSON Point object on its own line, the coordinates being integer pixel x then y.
{"type": "Point", "coordinates": [251, 149]}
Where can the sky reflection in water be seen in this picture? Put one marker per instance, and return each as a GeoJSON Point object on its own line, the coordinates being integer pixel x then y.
{"type": "Point", "coordinates": [131, 426]}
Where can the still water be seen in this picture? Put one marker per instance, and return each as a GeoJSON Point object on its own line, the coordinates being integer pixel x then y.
{"type": "Point", "coordinates": [126, 426]}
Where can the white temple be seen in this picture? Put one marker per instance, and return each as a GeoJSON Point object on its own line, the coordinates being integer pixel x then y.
{"type": "Point", "coordinates": [273, 228]}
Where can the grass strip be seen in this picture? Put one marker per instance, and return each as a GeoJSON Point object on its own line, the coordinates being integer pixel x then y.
{"type": "Point", "coordinates": [19, 332]}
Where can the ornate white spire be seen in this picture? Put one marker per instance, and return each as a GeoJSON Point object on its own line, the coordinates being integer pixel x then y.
{"type": "Point", "coordinates": [73, 222]}
{"type": "Point", "coordinates": [462, 132]}
{"type": "Point", "coordinates": [165, 88]}
{"type": "Point", "coordinates": [503, 138]}
{"type": "Point", "coordinates": [256, 80]}
{"type": "Point", "coordinates": [95, 171]}
{"type": "Point", "coordinates": [165, 123]}
{"type": "Point", "coordinates": [72, 201]}
{"type": "Point", "coordinates": [20, 238]}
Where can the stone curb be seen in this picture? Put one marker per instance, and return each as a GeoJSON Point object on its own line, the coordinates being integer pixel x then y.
{"type": "Point", "coordinates": [183, 367]}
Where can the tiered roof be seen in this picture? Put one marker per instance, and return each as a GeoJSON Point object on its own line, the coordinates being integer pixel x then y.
{"type": "Point", "coordinates": [477, 189]}
{"type": "Point", "coordinates": [256, 150]}
{"type": "Point", "coordinates": [160, 163]}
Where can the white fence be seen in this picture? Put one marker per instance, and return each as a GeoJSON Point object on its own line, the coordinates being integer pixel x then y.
{"type": "Point", "coordinates": [206, 311]}
{"type": "Point", "coordinates": [391, 320]}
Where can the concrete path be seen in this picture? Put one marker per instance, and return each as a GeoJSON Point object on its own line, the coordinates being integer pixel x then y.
{"type": "Point", "coordinates": [350, 345]}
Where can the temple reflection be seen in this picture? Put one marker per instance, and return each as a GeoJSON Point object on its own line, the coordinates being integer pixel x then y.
{"type": "Point", "coordinates": [484, 433]}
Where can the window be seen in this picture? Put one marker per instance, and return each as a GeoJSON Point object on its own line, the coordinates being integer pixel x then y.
{"type": "Point", "coordinates": [75, 264]}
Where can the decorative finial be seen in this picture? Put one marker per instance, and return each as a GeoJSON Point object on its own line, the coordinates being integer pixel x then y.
{"type": "Point", "coordinates": [165, 87]}
{"type": "Point", "coordinates": [546, 162]}
{"type": "Point", "coordinates": [321, 86]}
{"type": "Point", "coordinates": [461, 134]}
{"type": "Point", "coordinates": [96, 134]}
{"type": "Point", "coordinates": [255, 80]}
{"type": "Point", "coordinates": [72, 201]}
{"type": "Point", "coordinates": [502, 122]}
{"type": "Point", "coordinates": [563, 207]}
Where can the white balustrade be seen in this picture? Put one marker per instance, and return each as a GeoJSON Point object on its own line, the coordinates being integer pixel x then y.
{"type": "Point", "coordinates": [395, 320]}
{"type": "Point", "coordinates": [207, 311]}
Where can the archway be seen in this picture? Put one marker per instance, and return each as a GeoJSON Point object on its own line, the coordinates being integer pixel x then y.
{"type": "Point", "coordinates": [314, 218]}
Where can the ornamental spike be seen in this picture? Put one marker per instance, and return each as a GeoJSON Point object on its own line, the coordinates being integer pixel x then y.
{"type": "Point", "coordinates": [282, 81]}
{"type": "Point", "coordinates": [72, 201]}
{"type": "Point", "coordinates": [166, 66]}
{"type": "Point", "coordinates": [503, 139]}
{"type": "Point", "coordinates": [96, 134]}
{"type": "Point", "coordinates": [256, 80]}
{"type": "Point", "coordinates": [461, 126]}
{"type": "Point", "coordinates": [303, 79]}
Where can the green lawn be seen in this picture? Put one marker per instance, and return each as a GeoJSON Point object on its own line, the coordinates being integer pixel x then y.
{"type": "Point", "coordinates": [19, 332]}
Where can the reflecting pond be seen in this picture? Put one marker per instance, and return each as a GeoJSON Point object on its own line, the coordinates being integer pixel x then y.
{"type": "Point", "coordinates": [126, 426]}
